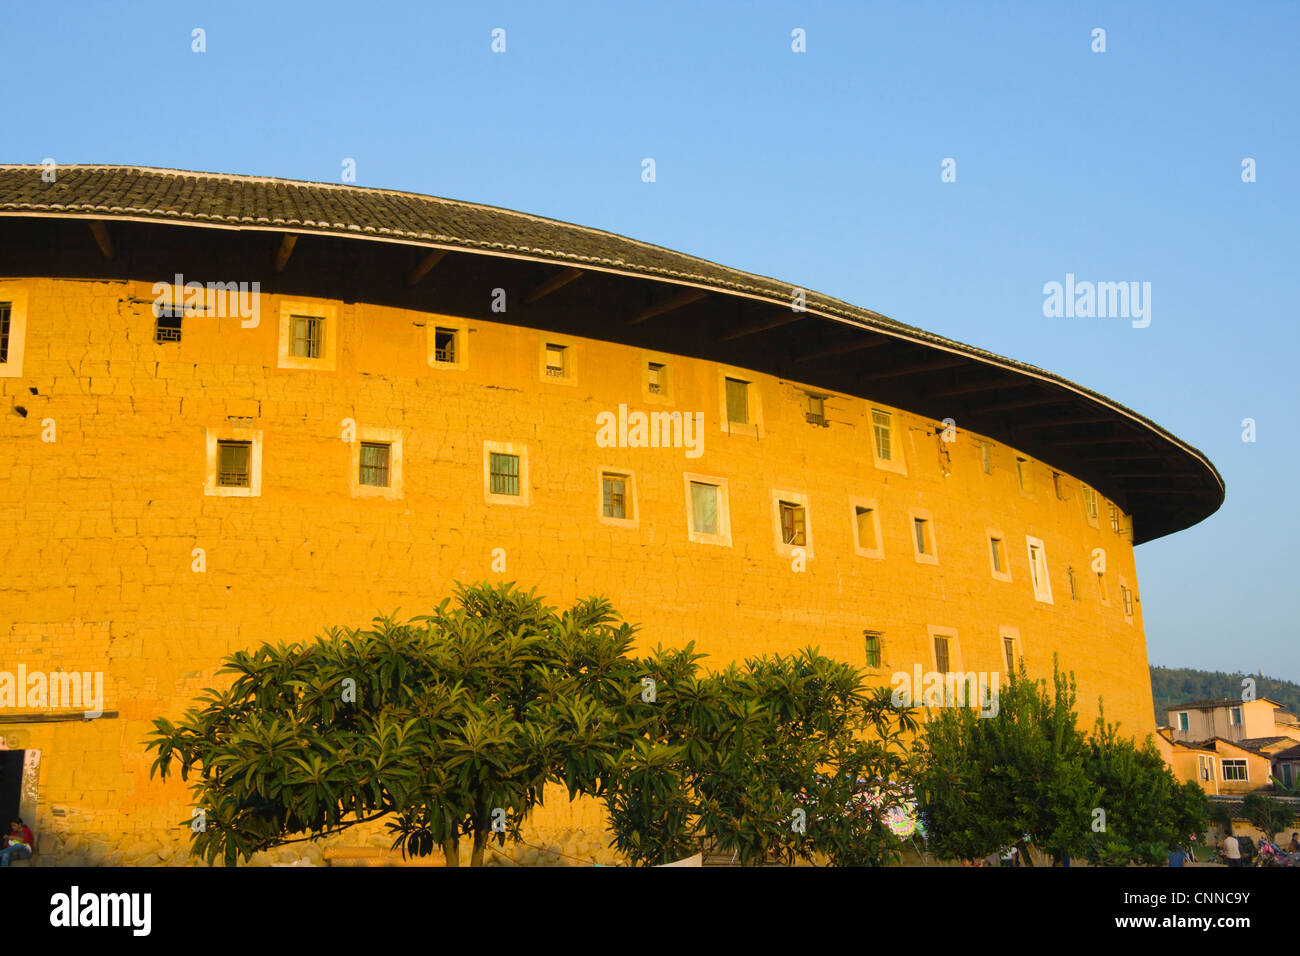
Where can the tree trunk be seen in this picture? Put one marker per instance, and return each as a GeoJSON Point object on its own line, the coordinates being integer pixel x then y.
{"type": "Point", "coordinates": [451, 851]}
{"type": "Point", "coordinates": [480, 841]}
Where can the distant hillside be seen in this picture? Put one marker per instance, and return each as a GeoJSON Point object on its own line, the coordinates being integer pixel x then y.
{"type": "Point", "coordinates": [1178, 685]}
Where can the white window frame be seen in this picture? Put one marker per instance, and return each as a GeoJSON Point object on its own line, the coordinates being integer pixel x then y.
{"type": "Point", "coordinates": [870, 504]}
{"type": "Point", "coordinates": [1040, 576]}
{"type": "Point", "coordinates": [799, 499]}
{"type": "Point", "coordinates": [632, 515]}
{"type": "Point", "coordinates": [392, 437]}
{"type": "Point", "coordinates": [1005, 574]}
{"type": "Point", "coordinates": [328, 313]}
{"type": "Point", "coordinates": [16, 296]}
{"type": "Point", "coordinates": [723, 536]}
{"type": "Point", "coordinates": [461, 328]}
{"type": "Point", "coordinates": [931, 535]}
{"type": "Point", "coordinates": [525, 496]}
{"type": "Point", "coordinates": [215, 436]}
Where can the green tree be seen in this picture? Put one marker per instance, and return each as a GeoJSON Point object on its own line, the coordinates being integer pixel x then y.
{"type": "Point", "coordinates": [1147, 810]}
{"type": "Point", "coordinates": [1016, 778]}
{"type": "Point", "coordinates": [449, 725]}
{"type": "Point", "coordinates": [762, 758]}
{"type": "Point", "coordinates": [1267, 814]}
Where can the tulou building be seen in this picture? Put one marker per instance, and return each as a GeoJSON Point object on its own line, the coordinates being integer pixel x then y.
{"type": "Point", "coordinates": [241, 409]}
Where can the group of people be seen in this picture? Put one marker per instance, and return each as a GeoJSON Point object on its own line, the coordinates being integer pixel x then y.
{"type": "Point", "coordinates": [18, 844]}
{"type": "Point", "coordinates": [1240, 851]}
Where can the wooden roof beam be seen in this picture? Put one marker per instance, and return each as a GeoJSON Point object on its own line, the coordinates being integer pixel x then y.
{"type": "Point", "coordinates": [554, 283]}
{"type": "Point", "coordinates": [934, 365]}
{"type": "Point", "coordinates": [680, 300]}
{"type": "Point", "coordinates": [773, 320]}
{"type": "Point", "coordinates": [287, 242]}
{"type": "Point", "coordinates": [102, 239]}
{"type": "Point", "coordinates": [425, 266]}
{"type": "Point", "coordinates": [842, 349]}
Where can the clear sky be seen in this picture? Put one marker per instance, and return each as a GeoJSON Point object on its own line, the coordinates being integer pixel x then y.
{"type": "Point", "coordinates": [820, 168]}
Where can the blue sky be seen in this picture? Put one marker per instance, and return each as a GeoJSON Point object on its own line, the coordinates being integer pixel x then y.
{"type": "Point", "coordinates": [820, 168]}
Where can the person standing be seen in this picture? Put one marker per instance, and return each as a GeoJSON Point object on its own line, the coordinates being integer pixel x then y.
{"type": "Point", "coordinates": [1231, 851]}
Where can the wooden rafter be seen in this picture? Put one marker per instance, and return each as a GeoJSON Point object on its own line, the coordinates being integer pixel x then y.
{"type": "Point", "coordinates": [554, 282]}
{"type": "Point", "coordinates": [425, 265]}
{"type": "Point", "coordinates": [681, 299]}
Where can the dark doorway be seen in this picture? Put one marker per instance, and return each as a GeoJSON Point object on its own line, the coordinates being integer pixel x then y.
{"type": "Point", "coordinates": [11, 785]}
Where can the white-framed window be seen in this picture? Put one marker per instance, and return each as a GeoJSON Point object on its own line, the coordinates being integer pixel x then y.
{"type": "Point", "coordinates": [13, 329]}
{"type": "Point", "coordinates": [708, 519]}
{"type": "Point", "coordinates": [1010, 648]}
{"type": "Point", "coordinates": [1024, 475]}
{"type": "Point", "coordinates": [886, 446]}
{"type": "Point", "coordinates": [864, 513]}
{"type": "Point", "coordinates": [558, 359]}
{"type": "Point", "coordinates": [618, 497]}
{"type": "Point", "coordinates": [234, 463]}
{"type": "Point", "coordinates": [1205, 765]}
{"type": "Point", "coordinates": [1114, 518]}
{"type": "Point", "coordinates": [925, 547]}
{"type": "Point", "coordinates": [792, 528]}
{"type": "Point", "coordinates": [986, 457]}
{"type": "Point", "coordinates": [1126, 600]}
{"type": "Point", "coordinates": [945, 651]}
{"type": "Point", "coordinates": [1038, 574]}
{"type": "Point", "coordinates": [376, 470]}
{"type": "Point", "coordinates": [447, 341]}
{"type": "Point", "coordinates": [814, 408]}
{"type": "Point", "coordinates": [505, 473]}
{"type": "Point", "coordinates": [1090, 505]}
{"type": "Point", "coordinates": [1184, 721]}
{"type": "Point", "coordinates": [1234, 716]}
{"type": "Point", "coordinates": [657, 384]}
{"type": "Point", "coordinates": [309, 336]}
{"type": "Point", "coordinates": [999, 559]}
{"type": "Point", "coordinates": [1234, 770]}
{"type": "Point", "coordinates": [739, 402]}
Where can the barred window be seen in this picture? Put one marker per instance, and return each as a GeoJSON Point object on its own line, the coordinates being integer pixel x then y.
{"type": "Point", "coordinates": [614, 493]}
{"type": "Point", "coordinates": [444, 345]}
{"type": "Point", "coordinates": [306, 341]}
{"type": "Point", "coordinates": [1090, 501]}
{"type": "Point", "coordinates": [941, 654]}
{"type": "Point", "coordinates": [881, 423]}
{"type": "Point", "coordinates": [504, 474]}
{"type": "Point", "coordinates": [167, 323]}
{"type": "Point", "coordinates": [374, 463]}
{"type": "Point", "coordinates": [1233, 769]}
{"type": "Point", "coordinates": [232, 463]}
{"type": "Point", "coordinates": [655, 381]}
{"type": "Point", "coordinates": [873, 648]}
{"type": "Point", "coordinates": [4, 331]}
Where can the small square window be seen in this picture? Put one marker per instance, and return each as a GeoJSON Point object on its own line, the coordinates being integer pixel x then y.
{"type": "Point", "coordinates": [557, 360]}
{"type": "Point", "coordinates": [614, 495]}
{"type": "Point", "coordinates": [504, 474]}
{"type": "Point", "coordinates": [233, 464]}
{"type": "Point", "coordinates": [793, 524]}
{"type": "Point", "coordinates": [655, 378]}
{"type": "Point", "coordinates": [882, 428]}
{"type": "Point", "coordinates": [306, 339]}
{"type": "Point", "coordinates": [167, 324]}
{"type": "Point", "coordinates": [704, 508]}
{"type": "Point", "coordinates": [374, 464]}
{"type": "Point", "coordinates": [873, 647]}
{"type": "Point", "coordinates": [444, 345]}
{"type": "Point", "coordinates": [737, 401]}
